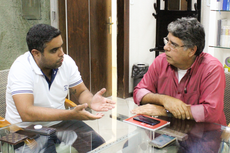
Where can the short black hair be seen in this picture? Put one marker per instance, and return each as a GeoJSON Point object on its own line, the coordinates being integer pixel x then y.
{"type": "Point", "coordinates": [39, 35]}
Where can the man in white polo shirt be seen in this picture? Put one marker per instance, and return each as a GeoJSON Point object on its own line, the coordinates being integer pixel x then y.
{"type": "Point", "coordinates": [39, 81]}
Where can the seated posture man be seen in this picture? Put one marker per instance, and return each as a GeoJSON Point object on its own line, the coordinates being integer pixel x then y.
{"type": "Point", "coordinates": [184, 81]}
{"type": "Point", "coordinates": [38, 84]}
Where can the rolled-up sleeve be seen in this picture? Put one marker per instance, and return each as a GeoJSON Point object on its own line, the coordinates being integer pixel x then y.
{"type": "Point", "coordinates": [148, 83]}
{"type": "Point", "coordinates": [198, 113]}
{"type": "Point", "coordinates": [139, 95]}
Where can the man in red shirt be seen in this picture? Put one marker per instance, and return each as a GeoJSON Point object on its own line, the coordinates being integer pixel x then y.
{"type": "Point", "coordinates": [183, 81]}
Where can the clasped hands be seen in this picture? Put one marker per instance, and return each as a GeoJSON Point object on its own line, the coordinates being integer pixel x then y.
{"type": "Point", "coordinates": [177, 107]}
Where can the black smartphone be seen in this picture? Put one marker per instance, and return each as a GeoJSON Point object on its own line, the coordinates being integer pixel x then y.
{"type": "Point", "coordinates": [43, 131]}
{"type": "Point", "coordinates": [146, 120]}
{"type": "Point", "coordinates": [119, 117]}
{"type": "Point", "coordinates": [29, 134]}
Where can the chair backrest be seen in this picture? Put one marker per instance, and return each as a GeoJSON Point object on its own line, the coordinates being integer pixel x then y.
{"type": "Point", "coordinates": [227, 97]}
{"type": "Point", "coordinates": [3, 83]}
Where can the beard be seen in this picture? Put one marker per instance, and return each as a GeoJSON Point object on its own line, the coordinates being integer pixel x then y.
{"type": "Point", "coordinates": [48, 65]}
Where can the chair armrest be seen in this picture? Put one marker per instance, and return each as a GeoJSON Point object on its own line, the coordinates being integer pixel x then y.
{"type": "Point", "coordinates": [69, 104]}
{"type": "Point", "coordinates": [3, 122]}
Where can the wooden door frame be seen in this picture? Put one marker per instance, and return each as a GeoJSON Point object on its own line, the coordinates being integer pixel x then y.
{"type": "Point", "coordinates": [122, 43]}
{"type": "Point", "coordinates": [123, 49]}
{"type": "Point", "coordinates": [62, 23]}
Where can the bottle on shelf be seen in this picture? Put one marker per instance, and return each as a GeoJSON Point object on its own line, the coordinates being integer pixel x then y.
{"type": "Point", "coordinates": [225, 5]}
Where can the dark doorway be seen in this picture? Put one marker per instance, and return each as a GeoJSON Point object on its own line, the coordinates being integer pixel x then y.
{"type": "Point", "coordinates": [90, 46]}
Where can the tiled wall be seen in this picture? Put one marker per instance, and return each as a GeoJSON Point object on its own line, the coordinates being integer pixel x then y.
{"type": "Point", "coordinates": [13, 29]}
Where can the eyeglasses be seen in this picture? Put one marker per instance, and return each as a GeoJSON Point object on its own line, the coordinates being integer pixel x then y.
{"type": "Point", "coordinates": [171, 44]}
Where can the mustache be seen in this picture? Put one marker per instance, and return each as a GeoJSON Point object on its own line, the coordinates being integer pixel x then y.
{"type": "Point", "coordinates": [61, 59]}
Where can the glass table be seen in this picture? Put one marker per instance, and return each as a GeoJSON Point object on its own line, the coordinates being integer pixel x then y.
{"type": "Point", "coordinates": [191, 137]}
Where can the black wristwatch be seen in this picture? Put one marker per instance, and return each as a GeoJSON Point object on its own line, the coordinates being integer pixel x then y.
{"type": "Point", "coordinates": [168, 113]}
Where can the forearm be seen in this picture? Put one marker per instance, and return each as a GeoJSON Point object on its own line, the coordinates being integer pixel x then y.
{"type": "Point", "coordinates": [35, 113]}
{"type": "Point", "coordinates": [86, 97]}
{"type": "Point", "coordinates": [153, 98]}
{"type": "Point", "coordinates": [82, 94]}
{"type": "Point", "coordinates": [157, 100]}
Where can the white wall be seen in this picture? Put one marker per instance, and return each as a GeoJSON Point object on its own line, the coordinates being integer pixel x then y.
{"type": "Point", "coordinates": [205, 9]}
{"type": "Point", "coordinates": [143, 31]}
{"type": "Point", "coordinates": [142, 34]}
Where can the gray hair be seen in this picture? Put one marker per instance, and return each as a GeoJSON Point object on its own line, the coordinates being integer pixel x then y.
{"type": "Point", "coordinates": [190, 31]}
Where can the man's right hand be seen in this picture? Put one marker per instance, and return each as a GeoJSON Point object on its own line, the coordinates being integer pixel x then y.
{"type": "Point", "coordinates": [79, 113]}
{"type": "Point", "coordinates": [150, 109]}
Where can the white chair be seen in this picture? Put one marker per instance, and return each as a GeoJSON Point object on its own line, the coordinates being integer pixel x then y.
{"type": "Point", "coordinates": [3, 83]}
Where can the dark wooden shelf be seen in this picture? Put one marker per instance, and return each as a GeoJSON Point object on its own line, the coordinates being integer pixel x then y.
{"type": "Point", "coordinates": [164, 17]}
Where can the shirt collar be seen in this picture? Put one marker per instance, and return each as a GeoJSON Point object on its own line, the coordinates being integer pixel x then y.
{"type": "Point", "coordinates": [34, 65]}
{"type": "Point", "coordinates": [196, 63]}
{"type": "Point", "coordinates": [194, 66]}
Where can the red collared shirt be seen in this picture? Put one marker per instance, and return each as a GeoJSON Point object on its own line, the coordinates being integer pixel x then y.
{"type": "Point", "coordinates": [204, 82]}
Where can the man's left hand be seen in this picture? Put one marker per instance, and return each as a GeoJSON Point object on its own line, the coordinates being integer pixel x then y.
{"type": "Point", "coordinates": [100, 103]}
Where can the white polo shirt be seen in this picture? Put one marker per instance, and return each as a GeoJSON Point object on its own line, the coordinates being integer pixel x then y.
{"type": "Point", "coordinates": [25, 77]}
